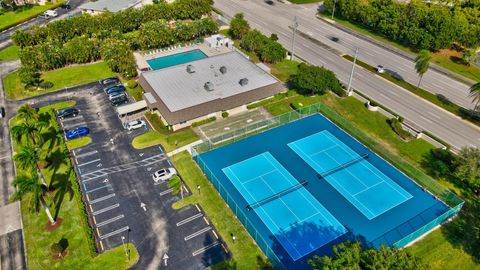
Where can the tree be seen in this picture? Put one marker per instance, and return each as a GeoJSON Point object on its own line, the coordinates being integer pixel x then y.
{"type": "Point", "coordinates": [31, 132]}
{"type": "Point", "coordinates": [239, 27]}
{"type": "Point", "coordinates": [31, 187]}
{"type": "Point", "coordinates": [27, 113]}
{"type": "Point", "coordinates": [29, 158]}
{"type": "Point", "coordinates": [468, 166]}
{"type": "Point", "coordinates": [422, 63]}
{"type": "Point", "coordinates": [312, 80]}
{"type": "Point", "coordinates": [469, 56]}
{"type": "Point", "coordinates": [273, 52]}
{"type": "Point", "coordinates": [475, 94]}
{"type": "Point", "coordinates": [254, 41]}
{"type": "Point", "coordinates": [350, 255]}
{"type": "Point", "coordinates": [29, 76]}
{"type": "Point", "coordinates": [176, 184]}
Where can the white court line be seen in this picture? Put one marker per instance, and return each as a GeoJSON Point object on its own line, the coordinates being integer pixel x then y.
{"type": "Point", "coordinates": [180, 223]}
{"type": "Point", "coordinates": [114, 232]}
{"type": "Point", "coordinates": [197, 233]}
{"type": "Point", "coordinates": [202, 250]}
{"type": "Point", "coordinates": [89, 162]}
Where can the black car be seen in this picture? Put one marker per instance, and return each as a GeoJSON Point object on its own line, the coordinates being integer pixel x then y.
{"type": "Point", "coordinates": [66, 6]}
{"type": "Point", "coordinates": [110, 82]}
{"type": "Point", "coordinates": [119, 100]}
{"type": "Point", "coordinates": [67, 113]}
{"type": "Point", "coordinates": [115, 89]}
{"type": "Point", "coordinates": [2, 112]}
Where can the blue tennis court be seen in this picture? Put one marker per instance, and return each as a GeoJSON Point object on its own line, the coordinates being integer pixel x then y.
{"type": "Point", "coordinates": [367, 188]}
{"type": "Point", "coordinates": [283, 204]}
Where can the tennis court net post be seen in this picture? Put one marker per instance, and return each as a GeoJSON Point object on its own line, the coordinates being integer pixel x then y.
{"type": "Point", "coordinates": [276, 196]}
{"type": "Point", "coordinates": [343, 166]}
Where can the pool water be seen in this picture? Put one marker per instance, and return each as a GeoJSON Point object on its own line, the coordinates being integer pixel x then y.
{"type": "Point", "coordinates": [176, 59]}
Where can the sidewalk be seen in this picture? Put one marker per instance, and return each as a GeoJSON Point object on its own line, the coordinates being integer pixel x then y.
{"type": "Point", "coordinates": [183, 148]}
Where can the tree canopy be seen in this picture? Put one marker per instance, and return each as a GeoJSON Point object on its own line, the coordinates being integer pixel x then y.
{"type": "Point", "coordinates": [239, 27]}
{"type": "Point", "coordinates": [312, 80]}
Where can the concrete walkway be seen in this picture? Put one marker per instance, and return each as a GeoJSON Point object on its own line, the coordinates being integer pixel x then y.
{"type": "Point", "coordinates": [187, 147]}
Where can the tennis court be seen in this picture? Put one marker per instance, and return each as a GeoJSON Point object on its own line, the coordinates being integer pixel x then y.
{"type": "Point", "coordinates": [283, 204]}
{"type": "Point", "coordinates": [367, 188]}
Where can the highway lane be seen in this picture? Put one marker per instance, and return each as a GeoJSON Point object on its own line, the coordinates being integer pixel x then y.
{"type": "Point", "coordinates": [425, 115]}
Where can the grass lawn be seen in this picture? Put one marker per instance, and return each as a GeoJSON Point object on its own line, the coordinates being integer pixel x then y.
{"type": "Point", "coordinates": [245, 253]}
{"type": "Point", "coordinates": [136, 92]}
{"type": "Point", "coordinates": [9, 53]}
{"type": "Point", "coordinates": [170, 141]}
{"type": "Point", "coordinates": [284, 69]}
{"type": "Point", "coordinates": [77, 143]}
{"type": "Point", "coordinates": [74, 227]}
{"type": "Point", "coordinates": [61, 78]}
{"type": "Point", "coordinates": [12, 18]}
{"type": "Point", "coordinates": [442, 58]}
{"type": "Point", "coordinates": [299, 2]}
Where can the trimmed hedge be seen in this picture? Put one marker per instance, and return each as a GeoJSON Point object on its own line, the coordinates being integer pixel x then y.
{"type": "Point", "coordinates": [204, 121]}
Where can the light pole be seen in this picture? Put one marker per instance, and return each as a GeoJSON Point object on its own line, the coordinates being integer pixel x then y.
{"type": "Point", "coordinates": [123, 243]}
{"type": "Point", "coordinates": [333, 9]}
{"type": "Point", "coordinates": [128, 241]}
{"type": "Point", "coordinates": [351, 73]}
{"type": "Point", "coordinates": [295, 25]}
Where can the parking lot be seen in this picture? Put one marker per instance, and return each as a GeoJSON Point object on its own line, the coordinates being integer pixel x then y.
{"type": "Point", "coordinates": [125, 204]}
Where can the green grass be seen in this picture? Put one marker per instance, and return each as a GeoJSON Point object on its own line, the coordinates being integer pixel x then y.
{"type": "Point", "coordinates": [245, 253]}
{"type": "Point", "coordinates": [284, 69]}
{"type": "Point", "coordinates": [299, 2]}
{"type": "Point", "coordinates": [170, 141]}
{"type": "Point", "coordinates": [74, 227]}
{"type": "Point", "coordinates": [9, 53]}
{"type": "Point", "coordinates": [445, 58]}
{"type": "Point", "coordinates": [77, 143]}
{"type": "Point", "coordinates": [445, 61]}
{"type": "Point", "coordinates": [12, 18]}
{"type": "Point", "coordinates": [61, 78]}
{"type": "Point", "coordinates": [136, 93]}
{"type": "Point", "coordinates": [60, 105]}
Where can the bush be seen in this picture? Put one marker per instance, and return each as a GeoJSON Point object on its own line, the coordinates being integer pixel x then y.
{"type": "Point", "coordinates": [132, 84]}
{"type": "Point", "coordinates": [239, 27]}
{"type": "Point", "coordinates": [272, 52]}
{"type": "Point", "coordinates": [46, 85]}
{"type": "Point", "coordinates": [312, 80]}
{"type": "Point", "coordinates": [156, 122]}
{"type": "Point", "coordinates": [204, 121]}
{"type": "Point", "coordinates": [224, 114]}
{"type": "Point", "coordinates": [396, 126]}
{"type": "Point", "coordinates": [29, 76]}
{"type": "Point", "coordinates": [374, 104]}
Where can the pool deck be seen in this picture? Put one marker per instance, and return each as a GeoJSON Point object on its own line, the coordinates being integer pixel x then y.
{"type": "Point", "coordinates": [142, 58]}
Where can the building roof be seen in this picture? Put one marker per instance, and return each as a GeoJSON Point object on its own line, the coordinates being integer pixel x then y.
{"type": "Point", "coordinates": [110, 5]}
{"type": "Point", "coordinates": [132, 107]}
{"type": "Point", "coordinates": [179, 89]}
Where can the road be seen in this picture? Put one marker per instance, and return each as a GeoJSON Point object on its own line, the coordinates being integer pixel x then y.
{"type": "Point", "coordinates": [62, 13]}
{"type": "Point", "coordinates": [423, 114]}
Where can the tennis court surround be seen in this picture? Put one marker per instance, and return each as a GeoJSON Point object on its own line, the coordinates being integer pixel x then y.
{"type": "Point", "coordinates": [243, 174]}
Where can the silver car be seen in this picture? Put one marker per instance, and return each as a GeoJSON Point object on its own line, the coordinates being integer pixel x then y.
{"type": "Point", "coordinates": [164, 174]}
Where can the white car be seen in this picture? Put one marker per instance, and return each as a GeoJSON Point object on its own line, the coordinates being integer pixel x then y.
{"type": "Point", "coordinates": [380, 69]}
{"type": "Point", "coordinates": [50, 13]}
{"type": "Point", "coordinates": [164, 174]}
{"type": "Point", "coordinates": [135, 124]}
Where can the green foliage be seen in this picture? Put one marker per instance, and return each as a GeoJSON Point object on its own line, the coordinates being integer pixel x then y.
{"type": "Point", "coordinates": [46, 85]}
{"type": "Point", "coordinates": [29, 76]}
{"type": "Point", "coordinates": [312, 80]}
{"type": "Point", "coordinates": [132, 84]}
{"type": "Point", "coordinates": [348, 255]}
{"type": "Point", "coordinates": [268, 50]}
{"type": "Point", "coordinates": [204, 121]}
{"type": "Point", "coordinates": [396, 125]}
{"type": "Point", "coordinates": [469, 56]}
{"type": "Point", "coordinates": [118, 56]}
{"type": "Point", "coordinates": [475, 94]}
{"type": "Point", "coordinates": [155, 34]}
{"type": "Point", "coordinates": [81, 50]}
{"type": "Point", "coordinates": [254, 41]}
{"type": "Point", "coordinates": [239, 27]}
{"type": "Point", "coordinates": [468, 166]}
{"type": "Point", "coordinates": [156, 122]}
{"type": "Point", "coordinates": [417, 24]}
{"type": "Point", "coordinates": [422, 63]}
{"type": "Point", "coordinates": [224, 114]}
{"type": "Point", "coordinates": [175, 184]}
{"type": "Point", "coordinates": [272, 52]}
{"type": "Point", "coordinates": [56, 249]}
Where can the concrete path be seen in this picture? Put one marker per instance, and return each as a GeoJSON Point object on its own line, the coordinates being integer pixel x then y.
{"type": "Point", "coordinates": [187, 147]}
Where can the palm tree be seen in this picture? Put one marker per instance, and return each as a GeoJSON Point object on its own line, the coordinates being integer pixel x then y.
{"type": "Point", "coordinates": [28, 158]}
{"type": "Point", "coordinates": [176, 185]}
{"type": "Point", "coordinates": [28, 131]}
{"type": "Point", "coordinates": [27, 113]}
{"type": "Point", "coordinates": [475, 94]}
{"type": "Point", "coordinates": [422, 63]}
{"type": "Point", "coordinates": [24, 186]}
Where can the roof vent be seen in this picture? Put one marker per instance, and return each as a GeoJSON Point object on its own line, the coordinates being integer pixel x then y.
{"type": "Point", "coordinates": [190, 69]}
{"type": "Point", "coordinates": [208, 86]}
{"type": "Point", "coordinates": [223, 69]}
{"type": "Point", "coordinates": [243, 82]}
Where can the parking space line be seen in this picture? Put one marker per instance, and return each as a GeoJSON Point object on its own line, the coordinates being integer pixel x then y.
{"type": "Point", "coordinates": [95, 189]}
{"type": "Point", "coordinates": [88, 197]}
{"type": "Point", "coordinates": [202, 250]}
{"type": "Point", "coordinates": [198, 208]}
{"type": "Point", "coordinates": [103, 210]}
{"type": "Point", "coordinates": [110, 220]}
{"type": "Point", "coordinates": [83, 123]}
{"type": "Point", "coordinates": [71, 119]}
{"type": "Point", "coordinates": [90, 162]}
{"type": "Point", "coordinates": [98, 232]}
{"type": "Point", "coordinates": [214, 233]}
{"type": "Point", "coordinates": [94, 220]}
{"type": "Point", "coordinates": [166, 191]}
{"type": "Point", "coordinates": [87, 154]}
{"type": "Point", "coordinates": [102, 198]}
{"type": "Point", "coordinates": [195, 234]}
{"type": "Point", "coordinates": [114, 232]}
{"type": "Point", "coordinates": [180, 223]}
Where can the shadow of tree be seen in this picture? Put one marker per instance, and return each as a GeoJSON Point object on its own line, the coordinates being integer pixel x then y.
{"type": "Point", "coordinates": [56, 159]}
{"type": "Point", "coordinates": [63, 186]}
{"type": "Point", "coordinates": [215, 254]}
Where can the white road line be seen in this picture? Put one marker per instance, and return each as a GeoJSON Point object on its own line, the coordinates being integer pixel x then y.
{"type": "Point", "coordinates": [114, 232]}
{"type": "Point", "coordinates": [110, 220]}
{"type": "Point", "coordinates": [87, 154]}
{"type": "Point", "coordinates": [202, 250]}
{"type": "Point", "coordinates": [102, 198]}
{"type": "Point", "coordinates": [426, 119]}
{"type": "Point", "coordinates": [90, 162]}
{"type": "Point", "coordinates": [103, 210]}
{"type": "Point", "coordinates": [195, 234]}
{"type": "Point", "coordinates": [180, 223]}
{"type": "Point", "coordinates": [166, 191]}
{"type": "Point", "coordinates": [434, 115]}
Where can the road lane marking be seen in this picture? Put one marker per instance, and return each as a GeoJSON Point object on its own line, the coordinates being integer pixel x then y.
{"type": "Point", "coordinates": [180, 223]}
{"type": "Point", "coordinates": [426, 119]}
{"type": "Point", "coordinates": [100, 224]}
{"type": "Point", "coordinates": [102, 198]}
{"type": "Point", "coordinates": [202, 250]}
{"type": "Point", "coordinates": [114, 232]}
{"type": "Point", "coordinates": [434, 115]}
{"type": "Point", "coordinates": [103, 210]}
{"type": "Point", "coordinates": [197, 233]}
{"type": "Point", "coordinates": [89, 162]}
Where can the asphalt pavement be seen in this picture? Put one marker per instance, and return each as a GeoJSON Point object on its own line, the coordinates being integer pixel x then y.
{"type": "Point", "coordinates": [423, 114]}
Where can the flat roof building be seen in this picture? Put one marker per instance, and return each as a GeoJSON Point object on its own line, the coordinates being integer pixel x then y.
{"type": "Point", "coordinates": [189, 92]}
{"type": "Point", "coordinates": [109, 5]}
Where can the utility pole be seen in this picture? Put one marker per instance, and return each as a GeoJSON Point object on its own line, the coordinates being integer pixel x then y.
{"type": "Point", "coordinates": [295, 25]}
{"type": "Point", "coordinates": [333, 9]}
{"type": "Point", "coordinates": [351, 73]}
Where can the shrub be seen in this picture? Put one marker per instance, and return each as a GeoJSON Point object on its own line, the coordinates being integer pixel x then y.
{"type": "Point", "coordinates": [155, 121]}
{"type": "Point", "coordinates": [312, 80]}
{"type": "Point", "coordinates": [132, 84]}
{"type": "Point", "coordinates": [224, 114]}
{"type": "Point", "coordinates": [29, 76]}
{"type": "Point", "coordinates": [273, 52]}
{"type": "Point", "coordinates": [239, 27]}
{"type": "Point", "coordinates": [204, 121]}
{"type": "Point", "coordinates": [46, 85]}
{"type": "Point", "coordinates": [373, 104]}
{"type": "Point", "coordinates": [396, 126]}
{"type": "Point", "coordinates": [56, 249]}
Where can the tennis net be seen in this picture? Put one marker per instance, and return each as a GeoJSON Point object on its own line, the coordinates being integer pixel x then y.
{"type": "Point", "coordinates": [343, 166]}
{"type": "Point", "coordinates": [276, 196]}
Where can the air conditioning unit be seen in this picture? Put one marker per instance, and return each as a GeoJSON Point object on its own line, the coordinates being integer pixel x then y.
{"type": "Point", "coordinates": [243, 82]}
{"type": "Point", "coordinates": [223, 69]}
{"type": "Point", "coordinates": [190, 69]}
{"type": "Point", "coordinates": [208, 86]}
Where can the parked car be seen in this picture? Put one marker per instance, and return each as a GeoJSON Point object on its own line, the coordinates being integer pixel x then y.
{"type": "Point", "coordinates": [380, 69]}
{"type": "Point", "coordinates": [66, 6]}
{"type": "Point", "coordinates": [164, 174]}
{"type": "Point", "coordinates": [119, 100]}
{"type": "Point", "coordinates": [110, 82]}
{"type": "Point", "coordinates": [51, 13]}
{"type": "Point", "coordinates": [116, 88]}
{"type": "Point", "coordinates": [67, 113]}
{"type": "Point", "coordinates": [2, 112]}
{"type": "Point", "coordinates": [77, 133]}
{"type": "Point", "coordinates": [116, 95]}
{"type": "Point", "coordinates": [135, 124]}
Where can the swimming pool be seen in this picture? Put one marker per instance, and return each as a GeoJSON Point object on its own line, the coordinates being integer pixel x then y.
{"type": "Point", "coordinates": [176, 59]}
{"type": "Point", "coordinates": [305, 186]}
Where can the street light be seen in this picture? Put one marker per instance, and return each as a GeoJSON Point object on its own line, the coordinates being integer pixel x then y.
{"type": "Point", "coordinates": [333, 9]}
{"type": "Point", "coordinates": [295, 25]}
{"type": "Point", "coordinates": [349, 93]}
{"type": "Point", "coordinates": [123, 243]}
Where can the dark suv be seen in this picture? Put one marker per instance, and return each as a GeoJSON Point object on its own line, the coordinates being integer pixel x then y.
{"type": "Point", "coordinates": [67, 113]}
{"type": "Point", "coordinates": [119, 100]}
{"type": "Point", "coordinates": [115, 89]}
{"type": "Point", "coordinates": [110, 82]}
